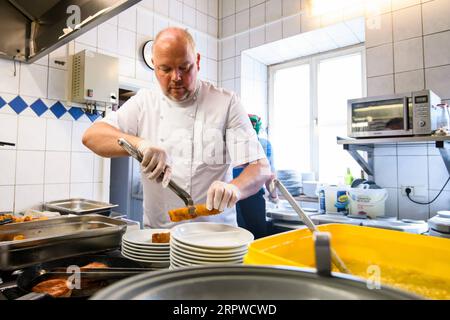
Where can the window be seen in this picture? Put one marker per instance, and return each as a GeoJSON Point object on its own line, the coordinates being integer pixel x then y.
{"type": "Point", "coordinates": [308, 110]}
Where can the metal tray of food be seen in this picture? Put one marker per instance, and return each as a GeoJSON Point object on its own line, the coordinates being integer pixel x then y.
{"type": "Point", "coordinates": [79, 206]}
{"type": "Point", "coordinates": [57, 238]}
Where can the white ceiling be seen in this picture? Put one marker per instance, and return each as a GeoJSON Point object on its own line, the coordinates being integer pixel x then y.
{"type": "Point", "coordinates": [336, 36]}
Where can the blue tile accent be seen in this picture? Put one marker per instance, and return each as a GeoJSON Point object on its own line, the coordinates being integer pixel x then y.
{"type": "Point", "coordinates": [92, 116]}
{"type": "Point", "coordinates": [39, 107]}
{"type": "Point", "coordinates": [58, 109]}
{"type": "Point", "coordinates": [18, 104]}
{"type": "Point", "coordinates": [2, 102]}
{"type": "Point", "coordinates": [76, 112]}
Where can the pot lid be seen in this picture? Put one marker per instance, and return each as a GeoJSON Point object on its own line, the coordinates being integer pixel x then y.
{"type": "Point", "coordinates": [261, 283]}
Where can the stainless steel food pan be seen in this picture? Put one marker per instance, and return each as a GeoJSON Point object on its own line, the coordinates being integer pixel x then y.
{"type": "Point", "coordinates": [79, 206]}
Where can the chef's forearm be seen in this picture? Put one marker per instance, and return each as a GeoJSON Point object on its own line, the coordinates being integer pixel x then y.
{"type": "Point", "coordinates": [252, 178]}
{"type": "Point", "coordinates": [102, 138]}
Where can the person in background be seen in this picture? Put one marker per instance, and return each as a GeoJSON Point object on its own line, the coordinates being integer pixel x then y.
{"type": "Point", "coordinates": [251, 212]}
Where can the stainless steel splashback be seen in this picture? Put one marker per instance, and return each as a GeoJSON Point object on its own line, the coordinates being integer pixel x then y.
{"type": "Point", "coordinates": [30, 30]}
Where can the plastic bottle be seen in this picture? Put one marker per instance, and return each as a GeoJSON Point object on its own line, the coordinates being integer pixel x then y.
{"type": "Point", "coordinates": [348, 177]}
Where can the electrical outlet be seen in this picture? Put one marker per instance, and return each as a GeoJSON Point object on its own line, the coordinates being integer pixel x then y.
{"type": "Point", "coordinates": [404, 190]}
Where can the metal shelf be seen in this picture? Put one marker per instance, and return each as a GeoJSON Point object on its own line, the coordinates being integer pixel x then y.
{"type": "Point", "coordinates": [352, 146]}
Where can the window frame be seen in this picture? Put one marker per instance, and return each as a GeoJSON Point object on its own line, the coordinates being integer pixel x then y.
{"type": "Point", "coordinates": [313, 61]}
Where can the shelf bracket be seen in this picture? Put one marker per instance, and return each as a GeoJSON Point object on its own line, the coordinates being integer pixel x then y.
{"type": "Point", "coordinates": [444, 149]}
{"type": "Point", "coordinates": [366, 165]}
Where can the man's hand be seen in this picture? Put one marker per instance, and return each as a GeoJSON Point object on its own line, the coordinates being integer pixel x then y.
{"type": "Point", "coordinates": [222, 195]}
{"type": "Point", "coordinates": [155, 162]}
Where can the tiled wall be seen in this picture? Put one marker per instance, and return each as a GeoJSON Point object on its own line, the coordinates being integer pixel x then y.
{"type": "Point", "coordinates": [49, 161]}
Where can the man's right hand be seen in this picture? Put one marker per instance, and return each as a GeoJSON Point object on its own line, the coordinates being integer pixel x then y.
{"type": "Point", "coordinates": [155, 162]}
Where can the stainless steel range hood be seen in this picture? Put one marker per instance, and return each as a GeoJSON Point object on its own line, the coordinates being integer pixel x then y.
{"type": "Point", "coordinates": [31, 29]}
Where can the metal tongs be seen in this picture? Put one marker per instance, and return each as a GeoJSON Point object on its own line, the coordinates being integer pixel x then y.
{"type": "Point", "coordinates": [311, 226]}
{"type": "Point", "coordinates": [182, 194]}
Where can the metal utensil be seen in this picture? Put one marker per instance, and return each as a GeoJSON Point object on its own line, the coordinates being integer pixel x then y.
{"type": "Point", "coordinates": [307, 221]}
{"type": "Point", "coordinates": [182, 194]}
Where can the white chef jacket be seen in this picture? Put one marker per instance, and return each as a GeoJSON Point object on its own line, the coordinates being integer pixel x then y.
{"type": "Point", "coordinates": [205, 137]}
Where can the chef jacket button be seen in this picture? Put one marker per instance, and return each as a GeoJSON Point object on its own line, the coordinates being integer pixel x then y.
{"type": "Point", "coordinates": [162, 140]}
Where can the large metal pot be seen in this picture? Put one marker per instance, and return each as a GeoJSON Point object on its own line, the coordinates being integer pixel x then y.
{"type": "Point", "coordinates": [228, 282]}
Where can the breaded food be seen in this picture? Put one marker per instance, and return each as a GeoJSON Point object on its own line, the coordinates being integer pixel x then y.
{"type": "Point", "coordinates": [55, 287]}
{"type": "Point", "coordinates": [181, 214]}
{"type": "Point", "coordinates": [163, 237]}
{"type": "Point", "coordinates": [95, 265]}
{"type": "Point", "coordinates": [19, 237]}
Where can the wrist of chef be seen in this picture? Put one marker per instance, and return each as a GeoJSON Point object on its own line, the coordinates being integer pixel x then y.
{"type": "Point", "coordinates": [222, 195]}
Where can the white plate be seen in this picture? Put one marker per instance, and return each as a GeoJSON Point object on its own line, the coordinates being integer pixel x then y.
{"type": "Point", "coordinates": [145, 251]}
{"type": "Point", "coordinates": [184, 260]}
{"type": "Point", "coordinates": [145, 259]}
{"type": "Point", "coordinates": [187, 255]}
{"type": "Point", "coordinates": [146, 256]}
{"type": "Point", "coordinates": [199, 251]}
{"type": "Point", "coordinates": [209, 235]}
{"type": "Point", "coordinates": [144, 237]}
{"type": "Point", "coordinates": [148, 263]}
{"type": "Point", "coordinates": [147, 247]}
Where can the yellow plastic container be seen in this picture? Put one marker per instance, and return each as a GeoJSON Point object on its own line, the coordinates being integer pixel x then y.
{"type": "Point", "coordinates": [415, 263]}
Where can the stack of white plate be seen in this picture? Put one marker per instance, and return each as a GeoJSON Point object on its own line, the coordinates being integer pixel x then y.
{"type": "Point", "coordinates": [205, 243]}
{"type": "Point", "coordinates": [137, 245]}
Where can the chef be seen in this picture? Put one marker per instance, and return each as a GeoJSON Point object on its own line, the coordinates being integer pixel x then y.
{"type": "Point", "coordinates": [187, 130]}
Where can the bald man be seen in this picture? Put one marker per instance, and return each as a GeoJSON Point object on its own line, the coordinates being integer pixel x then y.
{"type": "Point", "coordinates": [187, 130]}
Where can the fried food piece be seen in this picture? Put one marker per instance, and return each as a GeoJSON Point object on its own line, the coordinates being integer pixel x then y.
{"type": "Point", "coordinates": [55, 287]}
{"type": "Point", "coordinates": [181, 214]}
{"type": "Point", "coordinates": [161, 237]}
{"type": "Point", "coordinates": [19, 237]}
{"type": "Point", "coordinates": [95, 265]}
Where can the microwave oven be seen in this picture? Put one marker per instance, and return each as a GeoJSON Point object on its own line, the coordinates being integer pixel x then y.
{"type": "Point", "coordinates": [409, 114]}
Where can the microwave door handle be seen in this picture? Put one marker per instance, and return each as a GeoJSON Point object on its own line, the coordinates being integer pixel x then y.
{"type": "Point", "coordinates": [406, 124]}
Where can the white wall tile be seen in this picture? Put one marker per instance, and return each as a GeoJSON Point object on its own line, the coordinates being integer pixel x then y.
{"type": "Point", "coordinates": [242, 42]}
{"type": "Point", "coordinates": [408, 55]}
{"type": "Point", "coordinates": [161, 7]}
{"type": "Point", "coordinates": [30, 167]}
{"type": "Point", "coordinates": [310, 22]}
{"type": "Point", "coordinates": [78, 130]}
{"type": "Point", "coordinates": [147, 4]}
{"type": "Point", "coordinates": [190, 3]}
{"type": "Point", "coordinates": [257, 15]}
{"type": "Point", "coordinates": [228, 85]}
{"type": "Point", "coordinates": [407, 23]}
{"type": "Point", "coordinates": [380, 60]}
{"type": "Point", "coordinates": [378, 30]}
{"type": "Point", "coordinates": [227, 69]}
{"type": "Point", "coordinates": [438, 80]}
{"type": "Point", "coordinates": [213, 8]}
{"type": "Point", "coordinates": [228, 26]}
{"type": "Point", "coordinates": [59, 58]}
{"type": "Point", "coordinates": [410, 210]}
{"type": "Point", "coordinates": [160, 24]}
{"type": "Point", "coordinates": [273, 10]}
{"type": "Point", "coordinates": [127, 43]}
{"type": "Point", "coordinates": [291, 26]}
{"type": "Point", "coordinates": [33, 80]}
{"type": "Point", "coordinates": [98, 169]}
{"type": "Point", "coordinates": [10, 83]}
{"type": "Point", "coordinates": [82, 167]}
{"type": "Point", "coordinates": [291, 7]}
{"type": "Point", "coordinates": [81, 190]}
{"type": "Point", "coordinates": [8, 123]}
{"type": "Point", "coordinates": [189, 16]}
{"type": "Point", "coordinates": [212, 70]}
{"type": "Point", "coordinates": [7, 167]}
{"type": "Point", "coordinates": [27, 197]}
{"type": "Point", "coordinates": [58, 135]}
{"type": "Point", "coordinates": [213, 28]}
{"type": "Point", "coordinates": [228, 8]}
{"type": "Point", "coordinates": [144, 23]}
{"type": "Point", "coordinates": [412, 150]}
{"type": "Point", "coordinates": [412, 171]}
{"type": "Point", "coordinates": [54, 192]}
{"type": "Point", "coordinates": [107, 37]}
{"type": "Point", "coordinates": [385, 150]}
{"type": "Point", "coordinates": [410, 81]}
{"type": "Point", "coordinates": [438, 173]}
{"type": "Point", "coordinates": [176, 10]}
{"type": "Point", "coordinates": [228, 48]}
{"type": "Point", "coordinates": [202, 6]}
{"type": "Point", "coordinates": [7, 198]}
{"type": "Point", "coordinates": [57, 167]}
{"type": "Point", "coordinates": [257, 37]}
{"type": "Point", "coordinates": [400, 4]}
{"type": "Point", "coordinates": [441, 203]}
{"type": "Point", "coordinates": [274, 32]}
{"type": "Point", "coordinates": [143, 72]}
{"type": "Point", "coordinates": [31, 133]}
{"type": "Point", "coordinates": [242, 21]}
{"type": "Point", "coordinates": [212, 49]}
{"type": "Point", "coordinates": [386, 171]}
{"type": "Point", "coordinates": [89, 38]}
{"type": "Point", "coordinates": [437, 48]}
{"type": "Point", "coordinates": [435, 16]}
{"type": "Point", "coordinates": [57, 84]}
{"type": "Point", "coordinates": [127, 19]}
{"type": "Point", "coordinates": [383, 85]}
{"type": "Point", "coordinates": [242, 5]}
{"type": "Point", "coordinates": [202, 22]}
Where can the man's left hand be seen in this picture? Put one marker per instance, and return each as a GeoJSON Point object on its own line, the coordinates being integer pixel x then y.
{"type": "Point", "coordinates": [222, 195]}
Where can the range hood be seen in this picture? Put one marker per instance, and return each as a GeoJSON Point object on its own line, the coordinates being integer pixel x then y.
{"type": "Point", "coordinates": [31, 29]}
